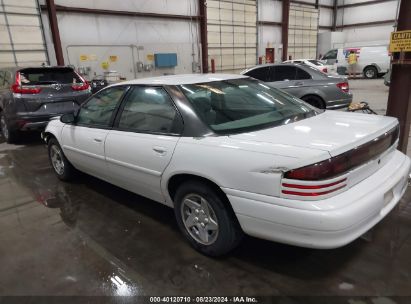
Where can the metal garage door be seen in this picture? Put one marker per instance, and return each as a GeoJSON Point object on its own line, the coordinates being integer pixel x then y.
{"type": "Point", "coordinates": [21, 34]}
{"type": "Point", "coordinates": [232, 34]}
{"type": "Point", "coordinates": [302, 32]}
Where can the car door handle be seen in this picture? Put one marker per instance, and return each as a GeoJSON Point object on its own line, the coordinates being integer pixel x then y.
{"type": "Point", "coordinates": [299, 83]}
{"type": "Point", "coordinates": [160, 150]}
{"type": "Point", "coordinates": [98, 140]}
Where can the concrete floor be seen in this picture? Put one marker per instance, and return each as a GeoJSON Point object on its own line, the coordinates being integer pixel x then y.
{"type": "Point", "coordinates": [91, 238]}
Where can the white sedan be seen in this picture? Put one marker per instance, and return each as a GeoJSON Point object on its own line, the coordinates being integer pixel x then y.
{"type": "Point", "coordinates": [234, 156]}
{"type": "Point", "coordinates": [316, 64]}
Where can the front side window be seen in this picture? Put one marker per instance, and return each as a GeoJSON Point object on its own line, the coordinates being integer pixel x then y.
{"type": "Point", "coordinates": [242, 105]}
{"type": "Point", "coordinates": [98, 111]}
{"type": "Point", "coordinates": [331, 55]}
{"type": "Point", "coordinates": [149, 110]}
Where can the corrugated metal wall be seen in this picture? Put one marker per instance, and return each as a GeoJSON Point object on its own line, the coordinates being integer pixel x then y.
{"type": "Point", "coordinates": [302, 32]}
{"type": "Point", "coordinates": [232, 34]}
{"type": "Point", "coordinates": [21, 34]}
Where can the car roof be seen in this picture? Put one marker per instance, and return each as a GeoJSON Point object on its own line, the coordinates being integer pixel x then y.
{"type": "Point", "coordinates": [182, 79]}
{"type": "Point", "coordinates": [272, 64]}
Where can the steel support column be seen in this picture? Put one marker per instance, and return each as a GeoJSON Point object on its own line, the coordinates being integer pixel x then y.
{"type": "Point", "coordinates": [335, 14]}
{"type": "Point", "coordinates": [54, 27]}
{"type": "Point", "coordinates": [203, 35]}
{"type": "Point", "coordinates": [284, 28]}
{"type": "Point", "coordinates": [399, 99]}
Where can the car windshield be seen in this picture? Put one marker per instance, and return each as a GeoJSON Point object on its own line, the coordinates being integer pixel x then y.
{"type": "Point", "coordinates": [242, 105]}
{"type": "Point", "coordinates": [39, 76]}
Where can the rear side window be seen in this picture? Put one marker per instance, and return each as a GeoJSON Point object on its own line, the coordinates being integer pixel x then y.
{"type": "Point", "coordinates": [283, 73]}
{"type": "Point", "coordinates": [98, 111]}
{"type": "Point", "coordinates": [149, 110]}
{"type": "Point", "coordinates": [43, 76]}
{"type": "Point", "coordinates": [301, 74]}
{"type": "Point", "coordinates": [259, 73]}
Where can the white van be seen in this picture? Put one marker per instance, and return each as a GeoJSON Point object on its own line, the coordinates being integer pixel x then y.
{"type": "Point", "coordinates": [373, 61]}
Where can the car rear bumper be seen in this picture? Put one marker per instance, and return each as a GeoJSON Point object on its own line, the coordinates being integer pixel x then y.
{"type": "Point", "coordinates": [339, 104]}
{"type": "Point", "coordinates": [365, 205]}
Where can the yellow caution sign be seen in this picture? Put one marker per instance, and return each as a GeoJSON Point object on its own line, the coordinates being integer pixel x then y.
{"type": "Point", "coordinates": [83, 57]}
{"type": "Point", "coordinates": [105, 65]}
{"type": "Point", "coordinates": [113, 58]}
{"type": "Point", "coordinates": [400, 42]}
{"type": "Point", "coordinates": [150, 57]}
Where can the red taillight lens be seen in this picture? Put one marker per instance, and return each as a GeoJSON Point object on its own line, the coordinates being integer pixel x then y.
{"type": "Point", "coordinates": [18, 88]}
{"type": "Point", "coordinates": [340, 164]}
{"type": "Point", "coordinates": [325, 70]}
{"type": "Point", "coordinates": [80, 86]}
{"type": "Point", "coordinates": [344, 86]}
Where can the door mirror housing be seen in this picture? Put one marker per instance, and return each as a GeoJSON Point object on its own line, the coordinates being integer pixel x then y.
{"type": "Point", "coordinates": [68, 118]}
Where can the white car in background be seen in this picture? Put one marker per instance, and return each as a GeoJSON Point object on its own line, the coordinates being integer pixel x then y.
{"type": "Point", "coordinates": [316, 64]}
{"type": "Point", "coordinates": [233, 155]}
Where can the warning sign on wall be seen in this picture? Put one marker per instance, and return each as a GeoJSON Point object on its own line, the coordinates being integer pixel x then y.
{"type": "Point", "coordinates": [113, 58]}
{"type": "Point", "coordinates": [400, 41]}
{"type": "Point", "coordinates": [83, 57]}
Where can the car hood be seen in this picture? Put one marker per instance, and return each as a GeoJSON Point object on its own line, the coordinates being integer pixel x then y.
{"type": "Point", "coordinates": [332, 131]}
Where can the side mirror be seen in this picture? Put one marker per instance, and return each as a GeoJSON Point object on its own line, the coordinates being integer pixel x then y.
{"type": "Point", "coordinates": [68, 118]}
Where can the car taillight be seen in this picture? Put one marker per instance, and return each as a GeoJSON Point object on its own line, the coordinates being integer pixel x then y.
{"type": "Point", "coordinates": [18, 88]}
{"type": "Point", "coordinates": [80, 86]}
{"type": "Point", "coordinates": [328, 176]}
{"type": "Point", "coordinates": [344, 86]}
{"type": "Point", "coordinates": [325, 70]}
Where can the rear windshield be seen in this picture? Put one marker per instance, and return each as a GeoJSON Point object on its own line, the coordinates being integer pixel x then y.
{"type": "Point", "coordinates": [316, 62]}
{"type": "Point", "coordinates": [242, 105]}
{"type": "Point", "coordinates": [39, 76]}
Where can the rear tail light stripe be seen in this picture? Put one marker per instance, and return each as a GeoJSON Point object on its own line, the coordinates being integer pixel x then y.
{"type": "Point", "coordinates": [296, 186]}
{"type": "Point", "coordinates": [288, 192]}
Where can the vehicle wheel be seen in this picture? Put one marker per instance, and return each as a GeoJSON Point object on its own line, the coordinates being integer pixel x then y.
{"type": "Point", "coordinates": [315, 101]}
{"type": "Point", "coordinates": [9, 135]}
{"type": "Point", "coordinates": [61, 166]}
{"type": "Point", "coordinates": [370, 72]}
{"type": "Point", "coordinates": [205, 220]}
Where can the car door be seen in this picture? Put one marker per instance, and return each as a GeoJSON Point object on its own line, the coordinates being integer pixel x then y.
{"type": "Point", "coordinates": [83, 141]}
{"type": "Point", "coordinates": [143, 139]}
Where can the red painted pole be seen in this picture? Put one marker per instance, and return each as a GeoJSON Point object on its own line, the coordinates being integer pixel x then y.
{"type": "Point", "coordinates": [212, 66]}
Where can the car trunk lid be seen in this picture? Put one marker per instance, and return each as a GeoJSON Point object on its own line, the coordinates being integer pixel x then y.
{"type": "Point", "coordinates": [331, 131]}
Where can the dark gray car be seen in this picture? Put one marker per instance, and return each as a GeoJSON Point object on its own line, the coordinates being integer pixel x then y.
{"type": "Point", "coordinates": [29, 97]}
{"type": "Point", "coordinates": [316, 88]}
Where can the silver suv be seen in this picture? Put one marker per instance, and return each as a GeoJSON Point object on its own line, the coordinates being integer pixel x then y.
{"type": "Point", "coordinates": [29, 97]}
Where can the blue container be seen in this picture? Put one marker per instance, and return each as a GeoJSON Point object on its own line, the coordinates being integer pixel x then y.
{"type": "Point", "coordinates": [165, 60]}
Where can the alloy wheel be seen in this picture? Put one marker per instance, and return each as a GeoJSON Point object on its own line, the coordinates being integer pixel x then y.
{"type": "Point", "coordinates": [56, 157]}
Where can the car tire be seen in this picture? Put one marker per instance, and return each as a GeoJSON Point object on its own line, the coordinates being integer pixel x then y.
{"type": "Point", "coordinates": [315, 101]}
{"type": "Point", "coordinates": [205, 220]}
{"type": "Point", "coordinates": [63, 169]}
{"type": "Point", "coordinates": [370, 72]}
{"type": "Point", "coordinates": [11, 136]}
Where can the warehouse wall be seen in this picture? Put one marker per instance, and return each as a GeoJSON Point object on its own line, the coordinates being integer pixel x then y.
{"type": "Point", "coordinates": [131, 39]}
{"type": "Point", "coordinates": [371, 34]}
